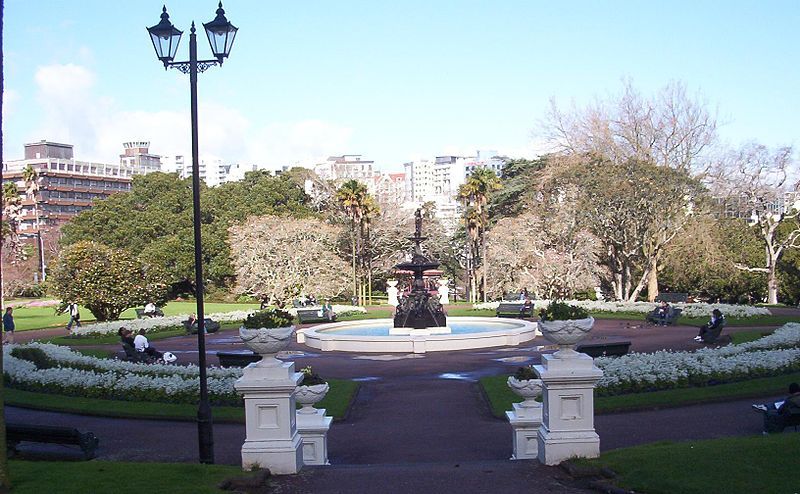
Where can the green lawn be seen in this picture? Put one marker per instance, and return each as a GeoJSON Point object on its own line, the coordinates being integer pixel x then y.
{"type": "Point", "coordinates": [501, 397]}
{"type": "Point", "coordinates": [736, 465]}
{"type": "Point", "coordinates": [26, 318]}
{"type": "Point", "coordinates": [336, 403]}
{"type": "Point", "coordinates": [745, 336]}
{"type": "Point", "coordinates": [39, 477]}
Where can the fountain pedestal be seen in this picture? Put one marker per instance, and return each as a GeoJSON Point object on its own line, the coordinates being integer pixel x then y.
{"type": "Point", "coordinates": [567, 429]}
{"type": "Point", "coordinates": [272, 439]}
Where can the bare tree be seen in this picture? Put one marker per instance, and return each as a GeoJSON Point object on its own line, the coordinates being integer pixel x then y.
{"type": "Point", "coordinates": [277, 259]}
{"type": "Point", "coordinates": [670, 129]}
{"type": "Point", "coordinates": [754, 182]}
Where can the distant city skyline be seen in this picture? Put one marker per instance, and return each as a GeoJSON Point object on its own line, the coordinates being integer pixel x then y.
{"type": "Point", "coordinates": [393, 82]}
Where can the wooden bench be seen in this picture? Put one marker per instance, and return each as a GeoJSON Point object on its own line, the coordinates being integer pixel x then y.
{"type": "Point", "coordinates": [715, 336]}
{"type": "Point", "coordinates": [237, 359]}
{"type": "Point", "coordinates": [514, 310]}
{"type": "Point", "coordinates": [140, 314]}
{"type": "Point", "coordinates": [17, 433]}
{"type": "Point", "coordinates": [611, 349]}
{"type": "Point", "coordinates": [131, 355]}
{"type": "Point", "coordinates": [210, 325]}
{"type": "Point", "coordinates": [672, 298]}
{"type": "Point", "coordinates": [775, 421]}
{"type": "Point", "coordinates": [312, 315]}
{"type": "Point", "coordinates": [672, 317]}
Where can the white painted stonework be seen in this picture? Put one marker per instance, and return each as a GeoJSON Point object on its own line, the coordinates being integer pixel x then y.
{"type": "Point", "coordinates": [567, 428]}
{"type": "Point", "coordinates": [444, 292]}
{"type": "Point", "coordinates": [313, 429]}
{"type": "Point", "coordinates": [391, 291]}
{"type": "Point", "coordinates": [272, 439]}
{"type": "Point", "coordinates": [526, 418]}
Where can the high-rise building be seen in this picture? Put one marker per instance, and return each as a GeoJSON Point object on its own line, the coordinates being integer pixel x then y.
{"type": "Point", "coordinates": [66, 186]}
{"type": "Point", "coordinates": [137, 157]}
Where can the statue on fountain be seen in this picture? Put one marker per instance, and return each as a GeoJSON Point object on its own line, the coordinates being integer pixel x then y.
{"type": "Point", "coordinates": [419, 310]}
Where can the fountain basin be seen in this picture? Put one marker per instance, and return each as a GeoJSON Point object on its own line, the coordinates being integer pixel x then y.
{"type": "Point", "coordinates": [373, 336]}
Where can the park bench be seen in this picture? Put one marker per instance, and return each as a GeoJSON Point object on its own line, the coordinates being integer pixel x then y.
{"type": "Point", "coordinates": [237, 359]}
{"type": "Point", "coordinates": [514, 310]}
{"type": "Point", "coordinates": [672, 298]}
{"type": "Point", "coordinates": [611, 349]}
{"type": "Point", "coordinates": [131, 355]}
{"type": "Point", "coordinates": [141, 315]}
{"type": "Point", "coordinates": [17, 433]}
{"type": "Point", "coordinates": [776, 421]}
{"type": "Point", "coordinates": [715, 336]}
{"type": "Point", "coordinates": [672, 316]}
{"type": "Point", "coordinates": [210, 325]}
{"type": "Point", "coordinates": [312, 315]}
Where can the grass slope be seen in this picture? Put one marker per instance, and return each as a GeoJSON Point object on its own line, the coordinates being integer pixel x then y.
{"type": "Point", "coordinates": [336, 403]}
{"type": "Point", "coordinates": [501, 397]}
{"type": "Point", "coordinates": [29, 477]}
{"type": "Point", "coordinates": [737, 465]}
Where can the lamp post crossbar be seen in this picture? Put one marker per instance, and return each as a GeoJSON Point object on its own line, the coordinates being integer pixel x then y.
{"type": "Point", "coordinates": [186, 67]}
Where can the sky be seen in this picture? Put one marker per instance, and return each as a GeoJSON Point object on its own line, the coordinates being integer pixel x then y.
{"type": "Point", "coordinates": [393, 81]}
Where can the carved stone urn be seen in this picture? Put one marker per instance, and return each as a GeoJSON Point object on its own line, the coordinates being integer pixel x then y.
{"type": "Point", "coordinates": [266, 342]}
{"type": "Point", "coordinates": [528, 389]}
{"type": "Point", "coordinates": [308, 396]}
{"type": "Point", "coordinates": [566, 334]}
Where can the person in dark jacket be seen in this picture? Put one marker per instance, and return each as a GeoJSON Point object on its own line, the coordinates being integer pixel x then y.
{"type": "Point", "coordinates": [712, 327]}
{"type": "Point", "coordinates": [8, 326]}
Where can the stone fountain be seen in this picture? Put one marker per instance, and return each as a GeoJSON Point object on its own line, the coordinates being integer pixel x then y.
{"type": "Point", "coordinates": [419, 310]}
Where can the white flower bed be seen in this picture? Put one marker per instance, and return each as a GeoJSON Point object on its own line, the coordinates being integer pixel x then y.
{"type": "Point", "coordinates": [151, 323]}
{"type": "Point", "coordinates": [779, 352]}
{"type": "Point", "coordinates": [690, 310]}
{"type": "Point", "coordinates": [109, 379]}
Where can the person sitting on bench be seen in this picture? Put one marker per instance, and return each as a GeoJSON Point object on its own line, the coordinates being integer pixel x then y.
{"type": "Point", "coordinates": [775, 414]}
{"type": "Point", "coordinates": [711, 329]}
{"type": "Point", "coordinates": [662, 312]}
{"type": "Point", "coordinates": [126, 336]}
{"type": "Point", "coordinates": [142, 345]}
{"type": "Point", "coordinates": [527, 306]}
{"type": "Point", "coordinates": [327, 311]}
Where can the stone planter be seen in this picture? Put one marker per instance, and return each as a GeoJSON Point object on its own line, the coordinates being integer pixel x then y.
{"type": "Point", "coordinates": [266, 342]}
{"type": "Point", "coordinates": [566, 334]}
{"type": "Point", "coordinates": [528, 389]}
{"type": "Point", "coordinates": [308, 396]}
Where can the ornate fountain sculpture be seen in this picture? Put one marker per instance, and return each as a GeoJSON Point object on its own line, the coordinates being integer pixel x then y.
{"type": "Point", "coordinates": [419, 310]}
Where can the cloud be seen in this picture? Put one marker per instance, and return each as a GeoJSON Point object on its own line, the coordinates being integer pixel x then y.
{"type": "Point", "coordinates": [74, 113]}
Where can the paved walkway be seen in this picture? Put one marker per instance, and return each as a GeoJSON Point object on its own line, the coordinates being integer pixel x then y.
{"type": "Point", "coordinates": [419, 422]}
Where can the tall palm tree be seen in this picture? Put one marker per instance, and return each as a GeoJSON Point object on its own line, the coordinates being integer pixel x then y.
{"type": "Point", "coordinates": [371, 211]}
{"type": "Point", "coordinates": [475, 192]}
{"type": "Point", "coordinates": [31, 177]}
{"type": "Point", "coordinates": [352, 196]}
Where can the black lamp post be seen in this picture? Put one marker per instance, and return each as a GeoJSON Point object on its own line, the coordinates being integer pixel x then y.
{"type": "Point", "coordinates": [166, 38]}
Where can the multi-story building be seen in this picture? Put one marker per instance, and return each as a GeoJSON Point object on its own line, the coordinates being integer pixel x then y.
{"type": "Point", "coordinates": [66, 186]}
{"type": "Point", "coordinates": [212, 171]}
{"type": "Point", "coordinates": [137, 157]}
{"type": "Point", "coordinates": [346, 167]}
{"type": "Point", "coordinates": [389, 188]}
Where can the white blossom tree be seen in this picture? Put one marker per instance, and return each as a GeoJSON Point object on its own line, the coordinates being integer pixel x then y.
{"type": "Point", "coordinates": [277, 258]}
{"type": "Point", "coordinates": [549, 254]}
{"type": "Point", "coordinates": [754, 182]}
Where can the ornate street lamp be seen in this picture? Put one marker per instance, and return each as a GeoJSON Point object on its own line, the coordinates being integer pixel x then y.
{"type": "Point", "coordinates": [165, 38]}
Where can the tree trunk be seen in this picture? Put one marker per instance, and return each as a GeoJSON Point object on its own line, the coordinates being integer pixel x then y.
{"type": "Point", "coordinates": [353, 244]}
{"type": "Point", "coordinates": [652, 282]}
{"type": "Point", "coordinates": [772, 284]}
{"type": "Point", "coordinates": [484, 262]}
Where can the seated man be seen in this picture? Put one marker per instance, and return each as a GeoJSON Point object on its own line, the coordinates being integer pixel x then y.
{"type": "Point", "coordinates": [776, 414]}
{"type": "Point", "coordinates": [711, 330]}
{"type": "Point", "coordinates": [150, 309]}
{"type": "Point", "coordinates": [327, 311]}
{"type": "Point", "coordinates": [663, 312]}
{"type": "Point", "coordinates": [527, 307]}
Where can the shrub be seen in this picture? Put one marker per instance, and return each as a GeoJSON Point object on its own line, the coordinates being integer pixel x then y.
{"type": "Point", "coordinates": [34, 355]}
{"type": "Point", "coordinates": [310, 378]}
{"type": "Point", "coordinates": [268, 318]}
{"type": "Point", "coordinates": [559, 311]}
{"type": "Point", "coordinates": [525, 373]}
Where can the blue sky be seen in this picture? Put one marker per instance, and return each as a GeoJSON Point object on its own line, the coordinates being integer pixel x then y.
{"type": "Point", "coordinates": [393, 81]}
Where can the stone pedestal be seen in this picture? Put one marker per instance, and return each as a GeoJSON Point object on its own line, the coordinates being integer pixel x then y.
{"type": "Point", "coordinates": [272, 439]}
{"type": "Point", "coordinates": [313, 430]}
{"type": "Point", "coordinates": [444, 292]}
{"type": "Point", "coordinates": [525, 422]}
{"type": "Point", "coordinates": [567, 429]}
{"type": "Point", "coordinates": [391, 291]}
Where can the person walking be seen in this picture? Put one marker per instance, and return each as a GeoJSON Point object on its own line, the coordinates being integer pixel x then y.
{"type": "Point", "coordinates": [74, 316]}
{"type": "Point", "coordinates": [8, 326]}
